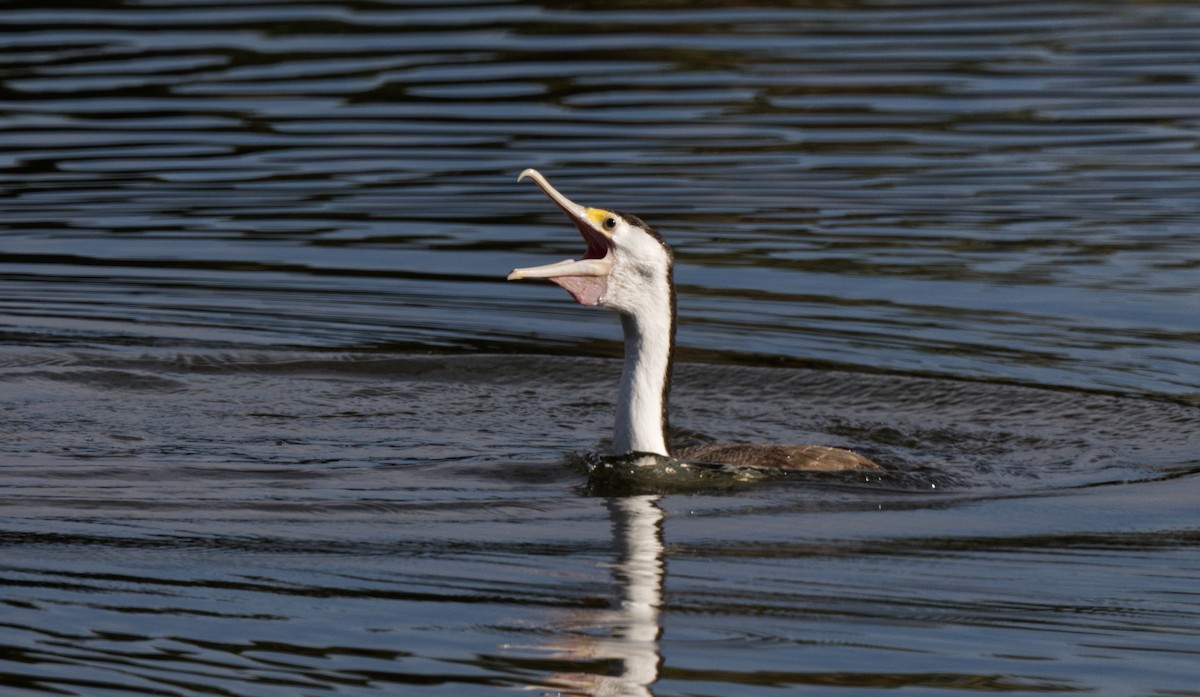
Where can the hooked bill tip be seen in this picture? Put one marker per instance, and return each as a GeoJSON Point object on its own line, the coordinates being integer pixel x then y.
{"type": "Point", "coordinates": [530, 172]}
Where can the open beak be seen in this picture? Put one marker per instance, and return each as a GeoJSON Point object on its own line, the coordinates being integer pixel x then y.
{"type": "Point", "coordinates": [585, 279]}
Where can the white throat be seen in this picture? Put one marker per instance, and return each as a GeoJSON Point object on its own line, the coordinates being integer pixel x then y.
{"type": "Point", "coordinates": [649, 328]}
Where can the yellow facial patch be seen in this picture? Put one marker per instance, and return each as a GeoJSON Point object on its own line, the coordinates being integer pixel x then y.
{"type": "Point", "coordinates": [597, 216]}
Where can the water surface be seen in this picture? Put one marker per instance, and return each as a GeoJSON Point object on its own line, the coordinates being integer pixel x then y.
{"type": "Point", "coordinates": [272, 422]}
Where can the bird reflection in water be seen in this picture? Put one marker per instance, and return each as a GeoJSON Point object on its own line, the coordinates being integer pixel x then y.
{"type": "Point", "coordinates": [632, 628]}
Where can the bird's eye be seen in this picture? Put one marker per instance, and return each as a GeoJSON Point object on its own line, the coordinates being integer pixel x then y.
{"type": "Point", "coordinates": [610, 223]}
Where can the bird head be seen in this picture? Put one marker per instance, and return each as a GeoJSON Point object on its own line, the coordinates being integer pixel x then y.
{"type": "Point", "coordinates": [624, 260]}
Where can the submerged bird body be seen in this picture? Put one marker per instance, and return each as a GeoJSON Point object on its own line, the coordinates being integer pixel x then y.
{"type": "Point", "coordinates": [628, 267]}
{"type": "Point", "coordinates": [821, 458]}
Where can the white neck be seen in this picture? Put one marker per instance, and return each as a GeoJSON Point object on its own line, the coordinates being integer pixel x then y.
{"type": "Point", "coordinates": [649, 329]}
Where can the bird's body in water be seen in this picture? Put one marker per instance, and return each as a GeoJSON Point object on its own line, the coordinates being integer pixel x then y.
{"type": "Point", "coordinates": [628, 267]}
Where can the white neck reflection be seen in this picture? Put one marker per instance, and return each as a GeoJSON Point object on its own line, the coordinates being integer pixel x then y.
{"type": "Point", "coordinates": [634, 625]}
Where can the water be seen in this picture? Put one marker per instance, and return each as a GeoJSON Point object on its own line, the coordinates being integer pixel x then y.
{"type": "Point", "coordinates": [272, 422]}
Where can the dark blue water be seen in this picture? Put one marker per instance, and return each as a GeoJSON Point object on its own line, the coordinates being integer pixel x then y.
{"type": "Point", "coordinates": [272, 422]}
